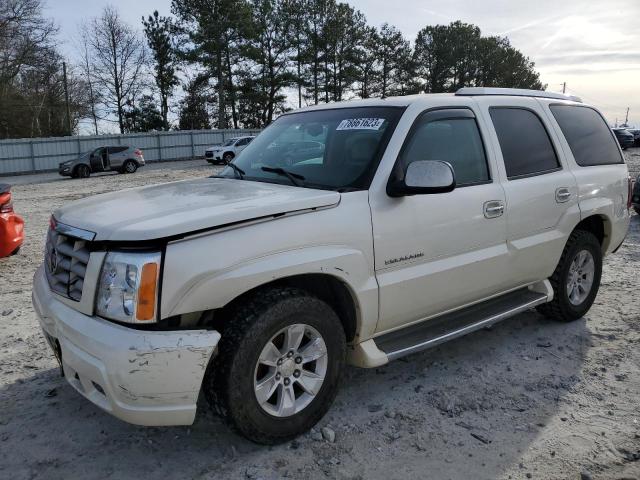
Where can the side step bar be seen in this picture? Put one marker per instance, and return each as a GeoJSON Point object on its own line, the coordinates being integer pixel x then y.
{"type": "Point", "coordinates": [438, 330]}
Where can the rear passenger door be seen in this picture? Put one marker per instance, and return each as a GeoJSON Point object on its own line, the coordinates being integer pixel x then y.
{"type": "Point", "coordinates": [116, 156]}
{"type": "Point", "coordinates": [541, 192]}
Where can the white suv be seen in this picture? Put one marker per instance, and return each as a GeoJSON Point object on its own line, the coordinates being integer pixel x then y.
{"type": "Point", "coordinates": [420, 219]}
{"type": "Point", "coordinates": [228, 150]}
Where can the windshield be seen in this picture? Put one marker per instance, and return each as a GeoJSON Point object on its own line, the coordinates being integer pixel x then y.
{"type": "Point", "coordinates": [335, 149]}
{"type": "Point", "coordinates": [230, 142]}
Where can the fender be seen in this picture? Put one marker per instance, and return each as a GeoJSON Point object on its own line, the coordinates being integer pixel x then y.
{"type": "Point", "coordinates": [215, 289]}
{"type": "Point", "coordinates": [207, 272]}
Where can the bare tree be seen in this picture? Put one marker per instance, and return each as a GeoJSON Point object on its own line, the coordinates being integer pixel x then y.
{"type": "Point", "coordinates": [25, 37]}
{"type": "Point", "coordinates": [118, 61]}
{"type": "Point", "coordinates": [86, 67]}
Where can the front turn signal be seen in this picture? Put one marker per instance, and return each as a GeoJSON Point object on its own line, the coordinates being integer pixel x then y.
{"type": "Point", "coordinates": [146, 308]}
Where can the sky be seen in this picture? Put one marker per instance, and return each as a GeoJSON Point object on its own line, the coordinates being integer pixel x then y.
{"type": "Point", "coordinates": [592, 45]}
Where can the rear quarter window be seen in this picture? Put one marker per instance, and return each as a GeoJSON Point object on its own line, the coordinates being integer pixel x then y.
{"type": "Point", "coordinates": [587, 134]}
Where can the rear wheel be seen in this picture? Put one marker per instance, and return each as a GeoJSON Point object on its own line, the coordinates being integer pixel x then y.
{"type": "Point", "coordinates": [576, 279]}
{"type": "Point", "coordinates": [82, 171]}
{"type": "Point", "coordinates": [129, 167]}
{"type": "Point", "coordinates": [279, 363]}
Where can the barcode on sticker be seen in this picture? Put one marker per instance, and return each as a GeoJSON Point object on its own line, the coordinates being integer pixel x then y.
{"type": "Point", "coordinates": [361, 124]}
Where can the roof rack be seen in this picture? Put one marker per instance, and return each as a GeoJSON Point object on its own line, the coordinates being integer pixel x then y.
{"type": "Point", "coordinates": [517, 92]}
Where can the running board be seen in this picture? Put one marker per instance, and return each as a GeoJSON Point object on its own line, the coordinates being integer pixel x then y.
{"type": "Point", "coordinates": [438, 330]}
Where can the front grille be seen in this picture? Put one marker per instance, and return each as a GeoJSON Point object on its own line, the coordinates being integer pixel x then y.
{"type": "Point", "coordinates": [65, 263]}
{"type": "Point", "coordinates": [208, 154]}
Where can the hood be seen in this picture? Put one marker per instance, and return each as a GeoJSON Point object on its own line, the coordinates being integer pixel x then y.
{"type": "Point", "coordinates": [169, 209]}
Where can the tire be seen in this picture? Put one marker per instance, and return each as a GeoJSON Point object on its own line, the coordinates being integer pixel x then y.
{"type": "Point", "coordinates": [232, 380]}
{"type": "Point", "coordinates": [637, 209]}
{"type": "Point", "coordinates": [227, 157]}
{"type": "Point", "coordinates": [129, 166]}
{"type": "Point", "coordinates": [564, 307]}
{"type": "Point", "coordinates": [82, 171]}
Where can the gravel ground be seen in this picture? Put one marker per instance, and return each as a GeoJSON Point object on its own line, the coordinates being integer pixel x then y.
{"type": "Point", "coordinates": [530, 398]}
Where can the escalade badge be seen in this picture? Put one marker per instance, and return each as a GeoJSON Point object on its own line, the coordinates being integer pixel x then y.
{"type": "Point", "coordinates": [406, 258]}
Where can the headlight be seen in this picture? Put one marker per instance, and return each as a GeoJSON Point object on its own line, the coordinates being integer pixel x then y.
{"type": "Point", "coordinates": [128, 287]}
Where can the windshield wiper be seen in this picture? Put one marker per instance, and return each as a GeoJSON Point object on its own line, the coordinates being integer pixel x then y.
{"type": "Point", "coordinates": [296, 178]}
{"type": "Point", "coordinates": [236, 170]}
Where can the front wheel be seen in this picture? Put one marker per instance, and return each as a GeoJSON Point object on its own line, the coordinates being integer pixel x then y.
{"type": "Point", "coordinates": [279, 364]}
{"type": "Point", "coordinates": [227, 157]}
{"type": "Point", "coordinates": [576, 279]}
{"type": "Point", "coordinates": [83, 171]}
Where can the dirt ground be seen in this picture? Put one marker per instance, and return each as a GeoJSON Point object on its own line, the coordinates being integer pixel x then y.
{"type": "Point", "coordinates": [530, 398]}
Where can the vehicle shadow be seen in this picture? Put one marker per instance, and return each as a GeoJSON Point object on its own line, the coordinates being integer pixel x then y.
{"type": "Point", "coordinates": [466, 409]}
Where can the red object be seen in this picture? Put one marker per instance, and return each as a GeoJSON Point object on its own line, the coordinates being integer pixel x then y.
{"type": "Point", "coordinates": [11, 224]}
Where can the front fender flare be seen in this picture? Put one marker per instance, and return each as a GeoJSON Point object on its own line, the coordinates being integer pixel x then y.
{"type": "Point", "coordinates": [214, 288]}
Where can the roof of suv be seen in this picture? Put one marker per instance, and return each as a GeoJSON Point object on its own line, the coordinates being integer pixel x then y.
{"type": "Point", "coordinates": [405, 101]}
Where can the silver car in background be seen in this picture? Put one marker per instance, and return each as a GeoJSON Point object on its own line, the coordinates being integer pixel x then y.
{"type": "Point", "coordinates": [118, 158]}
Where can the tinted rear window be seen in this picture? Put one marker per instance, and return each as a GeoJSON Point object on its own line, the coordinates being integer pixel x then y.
{"type": "Point", "coordinates": [587, 134]}
{"type": "Point", "coordinates": [524, 141]}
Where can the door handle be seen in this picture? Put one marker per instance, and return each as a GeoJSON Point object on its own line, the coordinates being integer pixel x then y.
{"type": "Point", "coordinates": [493, 208]}
{"type": "Point", "coordinates": [563, 194]}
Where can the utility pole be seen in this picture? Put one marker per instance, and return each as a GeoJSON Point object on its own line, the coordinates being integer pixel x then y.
{"type": "Point", "coordinates": [626, 120]}
{"type": "Point", "coordinates": [66, 97]}
{"type": "Point", "coordinates": [564, 87]}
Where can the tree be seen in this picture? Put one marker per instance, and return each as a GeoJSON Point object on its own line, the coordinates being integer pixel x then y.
{"type": "Point", "coordinates": [296, 11]}
{"type": "Point", "coordinates": [94, 99]}
{"type": "Point", "coordinates": [193, 107]}
{"type": "Point", "coordinates": [118, 61]}
{"type": "Point", "coordinates": [143, 116]}
{"type": "Point", "coordinates": [213, 29]}
{"type": "Point", "coordinates": [452, 56]}
{"type": "Point", "coordinates": [368, 71]}
{"type": "Point", "coordinates": [393, 54]}
{"type": "Point", "coordinates": [159, 31]}
{"type": "Point", "coordinates": [266, 73]}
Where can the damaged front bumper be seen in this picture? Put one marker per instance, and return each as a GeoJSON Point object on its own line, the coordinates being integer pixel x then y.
{"type": "Point", "coordinates": [142, 377]}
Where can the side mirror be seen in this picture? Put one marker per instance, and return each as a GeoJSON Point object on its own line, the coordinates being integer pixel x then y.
{"type": "Point", "coordinates": [424, 177]}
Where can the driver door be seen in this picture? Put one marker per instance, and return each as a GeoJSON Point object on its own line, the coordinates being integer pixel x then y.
{"type": "Point", "coordinates": [438, 252]}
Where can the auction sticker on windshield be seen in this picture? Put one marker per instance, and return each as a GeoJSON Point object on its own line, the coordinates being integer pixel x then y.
{"type": "Point", "coordinates": [361, 124]}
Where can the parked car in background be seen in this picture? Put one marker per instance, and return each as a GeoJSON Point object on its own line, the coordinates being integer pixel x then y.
{"type": "Point", "coordinates": [11, 224]}
{"type": "Point", "coordinates": [636, 135]}
{"type": "Point", "coordinates": [625, 138]}
{"type": "Point", "coordinates": [118, 158]}
{"type": "Point", "coordinates": [635, 198]}
{"type": "Point", "coordinates": [227, 151]}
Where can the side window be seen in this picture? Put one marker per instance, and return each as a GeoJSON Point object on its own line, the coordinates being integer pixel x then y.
{"type": "Point", "coordinates": [587, 134]}
{"type": "Point", "coordinates": [242, 143]}
{"type": "Point", "coordinates": [524, 141]}
{"type": "Point", "coordinates": [453, 140]}
{"type": "Point", "coordinates": [113, 150]}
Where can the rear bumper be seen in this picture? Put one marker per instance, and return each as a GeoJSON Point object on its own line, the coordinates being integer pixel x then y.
{"type": "Point", "coordinates": [141, 377]}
